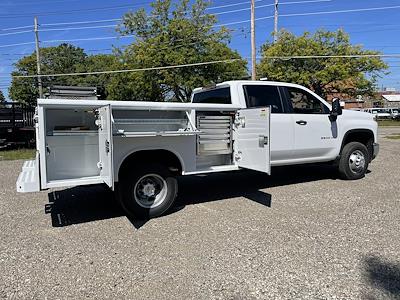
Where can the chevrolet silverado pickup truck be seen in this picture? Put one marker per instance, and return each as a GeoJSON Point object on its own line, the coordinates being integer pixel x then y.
{"type": "Point", "coordinates": [139, 148]}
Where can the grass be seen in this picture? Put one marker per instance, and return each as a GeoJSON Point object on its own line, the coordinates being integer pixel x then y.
{"type": "Point", "coordinates": [388, 123]}
{"type": "Point", "coordinates": [394, 136]}
{"type": "Point", "coordinates": [17, 154]}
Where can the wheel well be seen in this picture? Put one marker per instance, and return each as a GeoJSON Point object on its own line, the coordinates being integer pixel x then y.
{"type": "Point", "coordinates": [363, 136]}
{"type": "Point", "coordinates": [154, 156]}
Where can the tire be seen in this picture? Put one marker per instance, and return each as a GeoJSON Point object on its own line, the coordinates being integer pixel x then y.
{"type": "Point", "coordinates": [147, 192]}
{"type": "Point", "coordinates": [354, 161]}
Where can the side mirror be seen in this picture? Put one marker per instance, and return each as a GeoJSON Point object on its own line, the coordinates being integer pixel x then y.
{"type": "Point", "coordinates": [336, 108]}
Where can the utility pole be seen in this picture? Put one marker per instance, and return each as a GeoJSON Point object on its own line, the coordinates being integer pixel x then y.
{"type": "Point", "coordinates": [253, 42]}
{"type": "Point", "coordinates": [38, 57]}
{"type": "Point", "coordinates": [276, 21]}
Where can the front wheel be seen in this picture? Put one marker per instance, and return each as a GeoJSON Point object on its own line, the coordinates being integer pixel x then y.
{"type": "Point", "coordinates": [147, 191]}
{"type": "Point", "coordinates": [354, 161]}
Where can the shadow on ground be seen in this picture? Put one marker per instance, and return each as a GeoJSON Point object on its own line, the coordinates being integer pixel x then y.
{"type": "Point", "coordinates": [383, 276]}
{"type": "Point", "coordinates": [89, 203]}
{"type": "Point", "coordinates": [82, 204]}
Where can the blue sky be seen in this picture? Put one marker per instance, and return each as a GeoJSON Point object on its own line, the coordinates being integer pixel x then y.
{"type": "Point", "coordinates": [376, 30]}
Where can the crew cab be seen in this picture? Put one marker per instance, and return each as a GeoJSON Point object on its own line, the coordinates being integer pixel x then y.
{"type": "Point", "coordinates": [139, 148]}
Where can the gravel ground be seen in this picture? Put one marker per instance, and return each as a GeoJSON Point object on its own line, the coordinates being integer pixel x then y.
{"type": "Point", "coordinates": [299, 234]}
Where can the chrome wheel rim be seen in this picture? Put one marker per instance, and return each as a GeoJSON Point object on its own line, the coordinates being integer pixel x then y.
{"type": "Point", "coordinates": [150, 191]}
{"type": "Point", "coordinates": [357, 161]}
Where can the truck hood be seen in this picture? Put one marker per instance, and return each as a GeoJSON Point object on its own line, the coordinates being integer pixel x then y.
{"type": "Point", "coordinates": [357, 114]}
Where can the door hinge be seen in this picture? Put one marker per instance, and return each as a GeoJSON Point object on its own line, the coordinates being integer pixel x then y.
{"type": "Point", "coordinates": [240, 121]}
{"type": "Point", "coordinates": [107, 146]}
{"type": "Point", "coordinates": [238, 156]}
{"type": "Point", "coordinates": [99, 123]}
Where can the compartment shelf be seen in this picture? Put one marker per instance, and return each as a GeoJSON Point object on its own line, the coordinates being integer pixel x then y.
{"type": "Point", "coordinates": [72, 132]}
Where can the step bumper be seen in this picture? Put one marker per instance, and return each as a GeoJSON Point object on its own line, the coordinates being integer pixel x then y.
{"type": "Point", "coordinates": [29, 179]}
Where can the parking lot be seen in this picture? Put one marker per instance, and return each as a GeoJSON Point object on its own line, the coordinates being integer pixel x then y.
{"type": "Point", "coordinates": [300, 233]}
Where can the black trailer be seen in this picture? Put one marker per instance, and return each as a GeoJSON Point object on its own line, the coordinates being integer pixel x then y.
{"type": "Point", "coordinates": [17, 126]}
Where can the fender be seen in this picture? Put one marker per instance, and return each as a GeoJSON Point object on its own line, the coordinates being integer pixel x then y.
{"type": "Point", "coordinates": [351, 131]}
{"type": "Point", "coordinates": [364, 131]}
{"type": "Point", "coordinates": [127, 155]}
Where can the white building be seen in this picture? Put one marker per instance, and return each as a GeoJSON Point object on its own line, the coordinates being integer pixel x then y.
{"type": "Point", "coordinates": [391, 100]}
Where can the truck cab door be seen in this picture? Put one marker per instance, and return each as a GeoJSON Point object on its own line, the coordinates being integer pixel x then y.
{"type": "Point", "coordinates": [315, 135]}
{"type": "Point", "coordinates": [105, 164]}
{"type": "Point", "coordinates": [251, 135]}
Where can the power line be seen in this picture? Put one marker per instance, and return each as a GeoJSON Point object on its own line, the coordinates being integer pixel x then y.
{"type": "Point", "coordinates": [231, 5]}
{"type": "Point", "coordinates": [168, 44]}
{"type": "Point", "coordinates": [81, 39]}
{"type": "Point", "coordinates": [17, 32]}
{"type": "Point", "coordinates": [78, 28]}
{"type": "Point", "coordinates": [17, 44]}
{"type": "Point", "coordinates": [71, 40]}
{"type": "Point", "coordinates": [208, 8]}
{"type": "Point", "coordinates": [302, 2]}
{"type": "Point", "coordinates": [81, 22]}
{"type": "Point", "coordinates": [114, 26]}
{"type": "Point", "coordinates": [87, 39]}
{"type": "Point", "coordinates": [268, 5]}
{"type": "Point", "coordinates": [342, 11]}
{"type": "Point", "coordinates": [131, 70]}
{"type": "Point", "coordinates": [38, 3]}
{"type": "Point", "coordinates": [91, 39]}
{"type": "Point", "coordinates": [67, 40]}
{"type": "Point", "coordinates": [329, 56]}
{"type": "Point", "coordinates": [86, 10]}
{"type": "Point", "coordinates": [25, 54]}
{"type": "Point", "coordinates": [16, 28]}
{"type": "Point", "coordinates": [315, 13]}
{"type": "Point", "coordinates": [248, 2]}
{"type": "Point", "coordinates": [64, 12]}
{"type": "Point", "coordinates": [205, 63]}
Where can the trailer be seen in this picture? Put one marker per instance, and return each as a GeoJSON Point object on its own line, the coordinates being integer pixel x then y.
{"type": "Point", "coordinates": [16, 125]}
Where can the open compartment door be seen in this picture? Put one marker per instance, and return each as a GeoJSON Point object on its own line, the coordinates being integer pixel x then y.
{"type": "Point", "coordinates": [252, 139]}
{"type": "Point", "coordinates": [105, 164]}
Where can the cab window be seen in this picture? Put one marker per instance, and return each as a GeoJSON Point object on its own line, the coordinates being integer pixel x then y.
{"type": "Point", "coordinates": [216, 96]}
{"type": "Point", "coordinates": [304, 103]}
{"type": "Point", "coordinates": [263, 95]}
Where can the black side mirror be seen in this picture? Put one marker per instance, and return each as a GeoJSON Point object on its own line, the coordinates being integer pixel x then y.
{"type": "Point", "coordinates": [336, 108]}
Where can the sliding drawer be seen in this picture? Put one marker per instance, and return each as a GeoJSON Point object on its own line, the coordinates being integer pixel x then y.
{"type": "Point", "coordinates": [215, 135]}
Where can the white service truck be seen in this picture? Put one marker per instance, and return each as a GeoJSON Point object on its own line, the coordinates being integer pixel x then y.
{"type": "Point", "coordinates": [139, 148]}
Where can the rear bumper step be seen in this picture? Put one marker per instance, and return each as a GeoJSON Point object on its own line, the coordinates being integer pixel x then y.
{"type": "Point", "coordinates": [29, 180]}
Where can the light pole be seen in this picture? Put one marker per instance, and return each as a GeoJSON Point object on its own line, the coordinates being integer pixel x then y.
{"type": "Point", "coordinates": [253, 42]}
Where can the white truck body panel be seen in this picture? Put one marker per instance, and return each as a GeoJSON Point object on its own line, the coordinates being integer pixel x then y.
{"type": "Point", "coordinates": [105, 135]}
{"type": "Point", "coordinates": [83, 142]}
{"type": "Point", "coordinates": [252, 139]}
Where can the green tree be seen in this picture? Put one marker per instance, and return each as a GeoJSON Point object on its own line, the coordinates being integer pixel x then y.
{"type": "Point", "coordinates": [350, 76]}
{"type": "Point", "coordinates": [173, 35]}
{"type": "Point", "coordinates": [64, 58]}
{"type": "Point", "coordinates": [93, 63]}
{"type": "Point", "coordinates": [2, 98]}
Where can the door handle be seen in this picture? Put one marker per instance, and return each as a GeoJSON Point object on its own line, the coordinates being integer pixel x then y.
{"type": "Point", "coordinates": [301, 122]}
